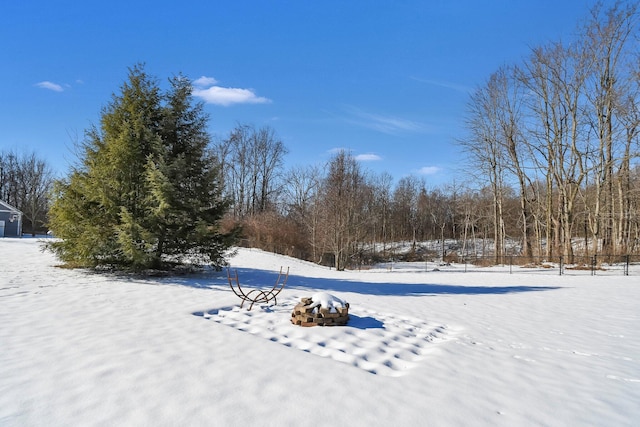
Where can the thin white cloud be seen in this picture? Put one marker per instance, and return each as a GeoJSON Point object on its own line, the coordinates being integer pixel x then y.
{"type": "Point", "coordinates": [429, 170]}
{"type": "Point", "coordinates": [50, 86]}
{"type": "Point", "coordinates": [206, 89]}
{"type": "Point", "coordinates": [381, 123]}
{"type": "Point", "coordinates": [204, 81]}
{"type": "Point", "coordinates": [368, 157]}
{"type": "Point", "coordinates": [445, 84]}
{"type": "Point", "coordinates": [226, 96]}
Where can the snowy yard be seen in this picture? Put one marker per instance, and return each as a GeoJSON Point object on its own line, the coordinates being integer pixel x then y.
{"type": "Point", "coordinates": [421, 348]}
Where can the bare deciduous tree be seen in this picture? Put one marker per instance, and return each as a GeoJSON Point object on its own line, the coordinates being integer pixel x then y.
{"type": "Point", "coordinates": [252, 161]}
{"type": "Point", "coordinates": [25, 182]}
{"type": "Point", "coordinates": [342, 196]}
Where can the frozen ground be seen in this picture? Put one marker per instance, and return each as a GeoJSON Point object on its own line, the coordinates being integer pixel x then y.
{"type": "Point", "coordinates": [421, 348]}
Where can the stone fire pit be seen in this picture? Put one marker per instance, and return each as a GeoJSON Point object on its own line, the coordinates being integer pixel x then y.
{"type": "Point", "coordinates": [322, 309]}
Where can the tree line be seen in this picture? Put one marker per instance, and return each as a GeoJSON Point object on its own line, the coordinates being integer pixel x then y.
{"type": "Point", "coordinates": [341, 214]}
{"type": "Point", "coordinates": [561, 131]}
{"type": "Point", "coordinates": [25, 183]}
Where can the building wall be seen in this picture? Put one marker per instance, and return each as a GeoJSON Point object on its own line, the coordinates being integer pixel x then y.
{"type": "Point", "coordinates": [11, 228]}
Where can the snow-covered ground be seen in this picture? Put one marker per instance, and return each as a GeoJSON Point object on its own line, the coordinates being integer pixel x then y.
{"type": "Point", "coordinates": [421, 348]}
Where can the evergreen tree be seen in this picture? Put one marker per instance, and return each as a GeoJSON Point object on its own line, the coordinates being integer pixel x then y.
{"type": "Point", "coordinates": [185, 192]}
{"type": "Point", "coordinates": [146, 193]}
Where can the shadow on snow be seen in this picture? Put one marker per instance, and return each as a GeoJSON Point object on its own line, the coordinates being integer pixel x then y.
{"type": "Point", "coordinates": [263, 279]}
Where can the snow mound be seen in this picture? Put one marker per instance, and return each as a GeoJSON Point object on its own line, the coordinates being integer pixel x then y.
{"type": "Point", "coordinates": [326, 300]}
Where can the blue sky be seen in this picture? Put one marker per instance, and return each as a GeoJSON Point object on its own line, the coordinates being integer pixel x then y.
{"type": "Point", "coordinates": [388, 80]}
